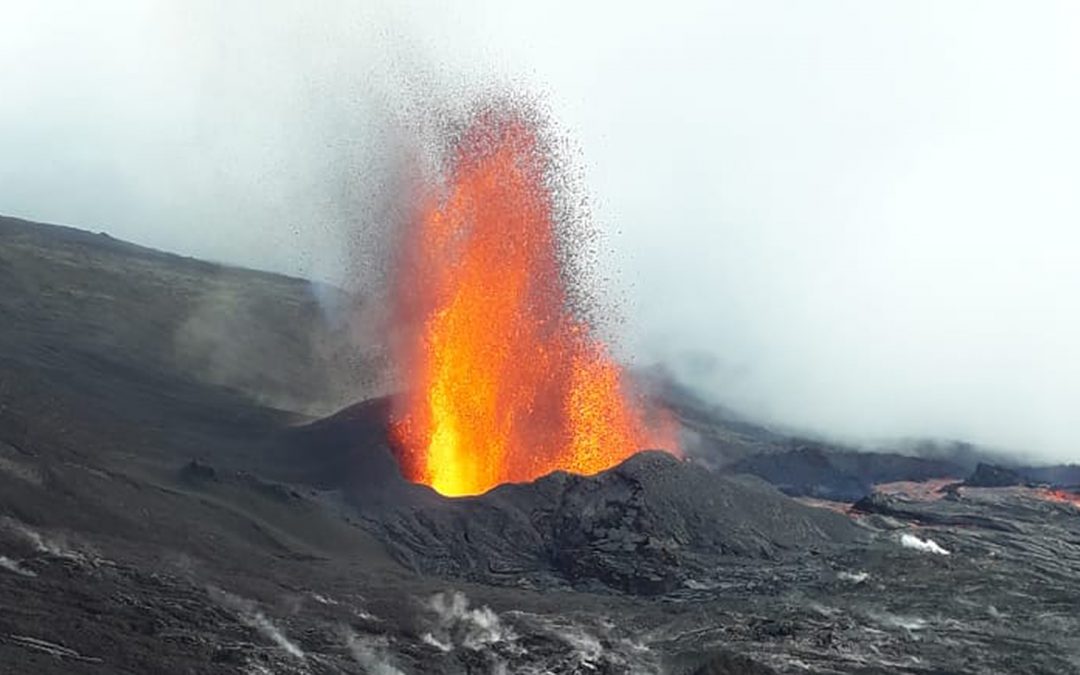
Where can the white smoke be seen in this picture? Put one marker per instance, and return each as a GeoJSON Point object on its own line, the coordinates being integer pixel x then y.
{"type": "Point", "coordinates": [907, 623]}
{"type": "Point", "coordinates": [924, 545]}
{"type": "Point", "coordinates": [853, 577]}
{"type": "Point", "coordinates": [28, 473]}
{"type": "Point", "coordinates": [432, 641]}
{"type": "Point", "coordinates": [323, 600]}
{"type": "Point", "coordinates": [14, 566]}
{"type": "Point", "coordinates": [595, 647]}
{"type": "Point", "coordinates": [262, 624]}
{"type": "Point", "coordinates": [253, 617]}
{"type": "Point", "coordinates": [372, 654]}
{"type": "Point", "coordinates": [586, 647]}
{"type": "Point", "coordinates": [458, 625]}
{"type": "Point", "coordinates": [55, 546]}
{"type": "Point", "coordinates": [571, 646]}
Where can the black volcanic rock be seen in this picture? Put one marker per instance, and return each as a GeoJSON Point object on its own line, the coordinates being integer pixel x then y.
{"type": "Point", "coordinates": [726, 663]}
{"type": "Point", "coordinates": [348, 451]}
{"type": "Point", "coordinates": [814, 470]}
{"type": "Point", "coordinates": [1058, 475]}
{"type": "Point", "coordinates": [198, 472]}
{"type": "Point", "coordinates": [805, 471]}
{"type": "Point", "coordinates": [888, 467]}
{"type": "Point", "coordinates": [643, 527]}
{"type": "Point", "coordinates": [114, 558]}
{"type": "Point", "coordinates": [944, 513]}
{"type": "Point", "coordinates": [91, 305]}
{"type": "Point", "coordinates": [992, 475]}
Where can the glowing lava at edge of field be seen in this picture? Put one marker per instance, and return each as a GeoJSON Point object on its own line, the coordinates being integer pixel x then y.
{"type": "Point", "coordinates": [504, 382]}
{"type": "Point", "coordinates": [1059, 496]}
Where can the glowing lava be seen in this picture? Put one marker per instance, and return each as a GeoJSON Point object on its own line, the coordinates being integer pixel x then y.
{"type": "Point", "coordinates": [1059, 496]}
{"type": "Point", "coordinates": [504, 382]}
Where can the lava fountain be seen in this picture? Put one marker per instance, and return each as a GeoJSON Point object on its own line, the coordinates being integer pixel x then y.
{"type": "Point", "coordinates": [504, 382]}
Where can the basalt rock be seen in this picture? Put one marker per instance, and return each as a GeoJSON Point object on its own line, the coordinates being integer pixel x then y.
{"type": "Point", "coordinates": [260, 556]}
{"type": "Point", "coordinates": [643, 527]}
{"type": "Point", "coordinates": [813, 470]}
{"type": "Point", "coordinates": [992, 475]}
{"type": "Point", "coordinates": [727, 663]}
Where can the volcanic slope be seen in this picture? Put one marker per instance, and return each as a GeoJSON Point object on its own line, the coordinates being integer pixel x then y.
{"type": "Point", "coordinates": [168, 503]}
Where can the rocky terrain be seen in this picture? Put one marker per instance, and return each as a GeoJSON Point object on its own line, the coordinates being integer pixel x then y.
{"type": "Point", "coordinates": [176, 497]}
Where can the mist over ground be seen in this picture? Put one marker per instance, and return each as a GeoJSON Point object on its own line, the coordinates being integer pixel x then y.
{"type": "Point", "coordinates": [855, 218]}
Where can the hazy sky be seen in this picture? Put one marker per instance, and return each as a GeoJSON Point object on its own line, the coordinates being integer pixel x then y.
{"type": "Point", "coordinates": [858, 217]}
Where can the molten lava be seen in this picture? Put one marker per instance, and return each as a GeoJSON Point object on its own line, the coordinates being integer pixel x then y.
{"type": "Point", "coordinates": [1059, 496]}
{"type": "Point", "coordinates": [504, 382]}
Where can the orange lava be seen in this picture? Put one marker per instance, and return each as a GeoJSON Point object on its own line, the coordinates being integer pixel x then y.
{"type": "Point", "coordinates": [503, 382]}
{"type": "Point", "coordinates": [1060, 496]}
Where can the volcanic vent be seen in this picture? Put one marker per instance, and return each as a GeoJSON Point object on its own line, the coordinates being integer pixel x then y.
{"type": "Point", "coordinates": [506, 382]}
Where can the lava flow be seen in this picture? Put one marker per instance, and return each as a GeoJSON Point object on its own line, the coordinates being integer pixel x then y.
{"type": "Point", "coordinates": [504, 383]}
{"type": "Point", "coordinates": [1059, 496]}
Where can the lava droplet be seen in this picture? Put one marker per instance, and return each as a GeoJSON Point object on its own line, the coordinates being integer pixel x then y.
{"type": "Point", "coordinates": [504, 383]}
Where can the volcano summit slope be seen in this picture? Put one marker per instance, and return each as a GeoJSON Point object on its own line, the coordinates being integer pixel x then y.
{"type": "Point", "coordinates": [173, 498]}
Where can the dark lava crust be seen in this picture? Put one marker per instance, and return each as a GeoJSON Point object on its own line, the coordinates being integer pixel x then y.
{"type": "Point", "coordinates": [646, 527]}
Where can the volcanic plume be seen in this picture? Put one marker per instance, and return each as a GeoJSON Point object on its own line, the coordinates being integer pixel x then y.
{"type": "Point", "coordinates": [505, 381]}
